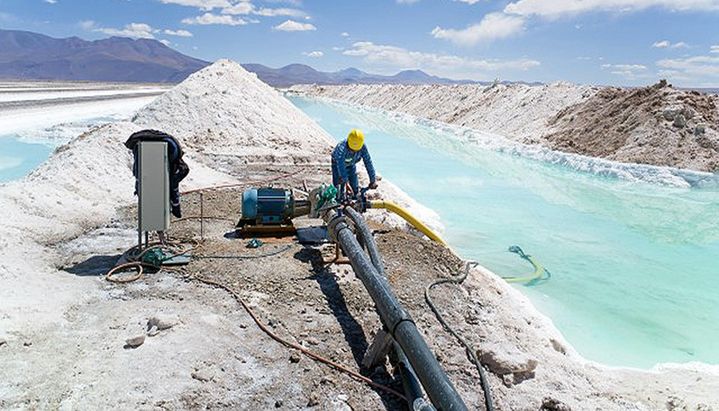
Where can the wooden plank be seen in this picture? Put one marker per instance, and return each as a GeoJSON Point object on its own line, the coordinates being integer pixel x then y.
{"type": "Point", "coordinates": [378, 350]}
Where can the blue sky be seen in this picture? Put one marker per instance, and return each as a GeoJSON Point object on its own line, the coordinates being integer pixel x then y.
{"type": "Point", "coordinates": [622, 42]}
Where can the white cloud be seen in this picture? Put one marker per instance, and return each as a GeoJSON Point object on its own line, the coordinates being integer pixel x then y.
{"type": "Point", "coordinates": [344, 34]}
{"type": "Point", "coordinates": [560, 8]}
{"type": "Point", "coordinates": [388, 58]}
{"type": "Point", "coordinates": [178, 33]}
{"type": "Point", "coordinates": [132, 30]}
{"type": "Point", "coordinates": [87, 24]}
{"type": "Point", "coordinates": [335, 48]}
{"type": "Point", "coordinates": [668, 44]}
{"type": "Point", "coordinates": [407, 1]}
{"type": "Point", "coordinates": [493, 26]}
{"type": "Point", "coordinates": [267, 12]}
{"type": "Point", "coordinates": [209, 18]}
{"type": "Point", "coordinates": [693, 67]}
{"type": "Point", "coordinates": [291, 25]}
{"type": "Point", "coordinates": [714, 48]}
{"type": "Point", "coordinates": [629, 71]}
{"type": "Point", "coordinates": [239, 8]}
{"type": "Point", "coordinates": [200, 4]}
{"type": "Point", "coordinates": [630, 67]}
{"type": "Point", "coordinates": [469, 1]}
{"type": "Point", "coordinates": [51, 1]}
{"type": "Point", "coordinates": [313, 54]}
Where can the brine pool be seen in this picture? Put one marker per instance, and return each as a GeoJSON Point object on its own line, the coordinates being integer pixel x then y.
{"type": "Point", "coordinates": [633, 250]}
{"type": "Point", "coordinates": [24, 150]}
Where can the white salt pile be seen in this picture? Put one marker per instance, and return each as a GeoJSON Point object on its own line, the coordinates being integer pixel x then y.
{"type": "Point", "coordinates": [224, 110]}
{"type": "Point", "coordinates": [517, 111]}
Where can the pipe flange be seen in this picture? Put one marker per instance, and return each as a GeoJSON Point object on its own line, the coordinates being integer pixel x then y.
{"type": "Point", "coordinates": [337, 223]}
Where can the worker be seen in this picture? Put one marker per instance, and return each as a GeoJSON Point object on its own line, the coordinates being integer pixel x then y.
{"type": "Point", "coordinates": [344, 159]}
{"type": "Point", "coordinates": [177, 167]}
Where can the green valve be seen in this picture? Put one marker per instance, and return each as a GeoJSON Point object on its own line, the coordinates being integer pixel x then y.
{"type": "Point", "coordinates": [154, 257]}
{"type": "Point", "coordinates": [327, 195]}
{"type": "Point", "coordinates": [254, 243]}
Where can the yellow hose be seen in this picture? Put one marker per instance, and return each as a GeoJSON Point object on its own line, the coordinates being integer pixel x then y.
{"type": "Point", "coordinates": [538, 271]}
{"type": "Point", "coordinates": [390, 206]}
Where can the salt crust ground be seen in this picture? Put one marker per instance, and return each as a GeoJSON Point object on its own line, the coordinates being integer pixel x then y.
{"type": "Point", "coordinates": [62, 327]}
{"type": "Point", "coordinates": [657, 125]}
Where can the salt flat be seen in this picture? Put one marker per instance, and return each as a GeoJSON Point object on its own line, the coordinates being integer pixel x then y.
{"type": "Point", "coordinates": [35, 105]}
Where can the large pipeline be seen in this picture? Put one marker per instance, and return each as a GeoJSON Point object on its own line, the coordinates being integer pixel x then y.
{"type": "Point", "coordinates": [412, 387]}
{"type": "Point", "coordinates": [395, 319]}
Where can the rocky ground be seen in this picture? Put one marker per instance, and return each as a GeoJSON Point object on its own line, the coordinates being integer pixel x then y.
{"type": "Point", "coordinates": [657, 125]}
{"type": "Point", "coordinates": [70, 339]}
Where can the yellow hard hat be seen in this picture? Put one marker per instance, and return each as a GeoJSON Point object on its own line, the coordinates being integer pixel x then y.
{"type": "Point", "coordinates": [355, 139]}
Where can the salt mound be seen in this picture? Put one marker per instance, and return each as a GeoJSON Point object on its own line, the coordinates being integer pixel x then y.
{"type": "Point", "coordinates": [517, 111]}
{"type": "Point", "coordinates": [224, 109]}
{"type": "Point", "coordinates": [78, 186]}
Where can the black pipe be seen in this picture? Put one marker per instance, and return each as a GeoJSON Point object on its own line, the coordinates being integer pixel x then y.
{"type": "Point", "coordinates": [398, 322]}
{"type": "Point", "coordinates": [412, 388]}
{"type": "Point", "coordinates": [366, 239]}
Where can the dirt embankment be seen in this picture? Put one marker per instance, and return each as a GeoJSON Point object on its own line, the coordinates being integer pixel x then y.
{"type": "Point", "coordinates": [657, 125]}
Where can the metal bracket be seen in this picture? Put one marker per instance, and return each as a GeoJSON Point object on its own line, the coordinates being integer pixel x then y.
{"type": "Point", "coordinates": [378, 350]}
{"type": "Point", "coordinates": [339, 258]}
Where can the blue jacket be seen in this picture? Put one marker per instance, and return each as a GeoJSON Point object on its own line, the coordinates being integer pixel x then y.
{"type": "Point", "coordinates": [344, 159]}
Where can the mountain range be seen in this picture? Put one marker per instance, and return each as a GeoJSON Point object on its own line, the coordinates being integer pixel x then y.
{"type": "Point", "coordinates": [303, 74]}
{"type": "Point", "coordinates": [27, 55]}
{"type": "Point", "coordinates": [33, 56]}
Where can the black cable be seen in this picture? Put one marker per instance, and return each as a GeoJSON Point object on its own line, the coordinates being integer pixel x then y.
{"type": "Point", "coordinates": [459, 279]}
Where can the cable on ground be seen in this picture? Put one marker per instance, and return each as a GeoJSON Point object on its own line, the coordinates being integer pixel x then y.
{"type": "Point", "coordinates": [136, 262]}
{"type": "Point", "coordinates": [314, 356]}
{"type": "Point", "coordinates": [472, 356]}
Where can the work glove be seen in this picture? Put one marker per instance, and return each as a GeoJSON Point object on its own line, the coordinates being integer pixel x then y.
{"type": "Point", "coordinates": [372, 185]}
{"type": "Point", "coordinates": [348, 190]}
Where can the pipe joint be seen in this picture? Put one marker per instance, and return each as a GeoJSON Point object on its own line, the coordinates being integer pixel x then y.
{"type": "Point", "coordinates": [335, 226]}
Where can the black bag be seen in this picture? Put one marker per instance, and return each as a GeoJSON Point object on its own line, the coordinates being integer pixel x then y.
{"type": "Point", "coordinates": [152, 135]}
{"type": "Point", "coordinates": [178, 168]}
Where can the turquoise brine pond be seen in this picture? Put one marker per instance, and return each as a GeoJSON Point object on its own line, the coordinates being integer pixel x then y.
{"type": "Point", "coordinates": [18, 158]}
{"type": "Point", "coordinates": [632, 249]}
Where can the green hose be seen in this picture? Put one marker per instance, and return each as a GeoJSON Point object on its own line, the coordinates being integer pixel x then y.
{"type": "Point", "coordinates": [540, 273]}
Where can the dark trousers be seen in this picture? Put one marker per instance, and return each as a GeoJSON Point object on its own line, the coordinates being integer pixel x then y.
{"type": "Point", "coordinates": [351, 174]}
{"type": "Point", "coordinates": [176, 175]}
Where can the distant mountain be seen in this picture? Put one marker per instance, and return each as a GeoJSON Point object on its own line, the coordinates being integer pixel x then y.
{"type": "Point", "coordinates": [33, 56]}
{"type": "Point", "coordinates": [301, 74]}
{"type": "Point", "coordinates": [27, 55]}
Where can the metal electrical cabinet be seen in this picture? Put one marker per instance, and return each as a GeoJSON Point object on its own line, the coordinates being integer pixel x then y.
{"type": "Point", "coordinates": [154, 186]}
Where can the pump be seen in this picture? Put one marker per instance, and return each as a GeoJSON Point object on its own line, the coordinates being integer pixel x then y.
{"type": "Point", "coordinates": [270, 211]}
